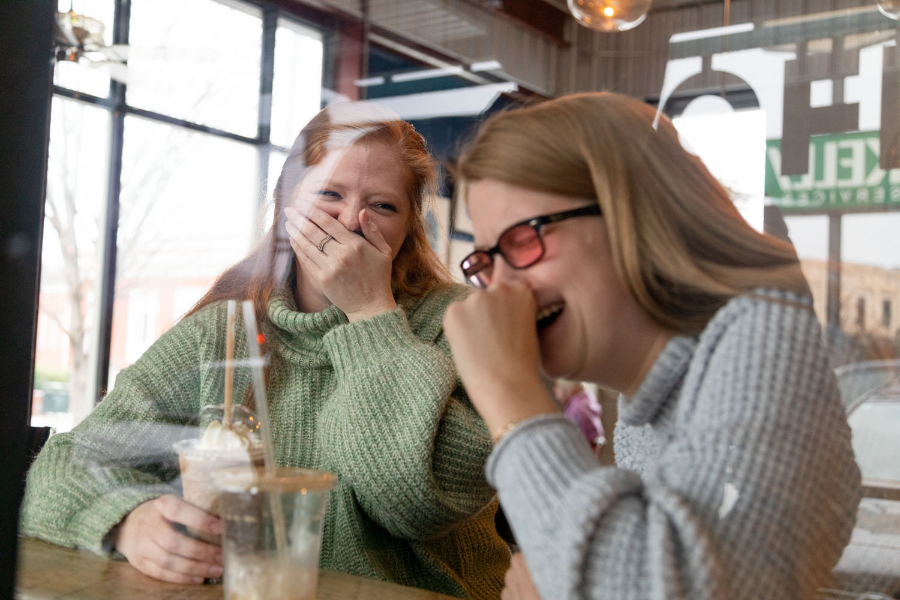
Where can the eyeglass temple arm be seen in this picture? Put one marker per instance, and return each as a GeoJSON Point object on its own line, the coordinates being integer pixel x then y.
{"type": "Point", "coordinates": [591, 209]}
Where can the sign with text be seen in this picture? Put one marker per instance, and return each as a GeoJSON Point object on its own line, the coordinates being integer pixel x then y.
{"type": "Point", "coordinates": [844, 173]}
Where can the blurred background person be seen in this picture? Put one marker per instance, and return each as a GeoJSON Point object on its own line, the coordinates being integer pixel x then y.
{"type": "Point", "coordinates": [584, 409]}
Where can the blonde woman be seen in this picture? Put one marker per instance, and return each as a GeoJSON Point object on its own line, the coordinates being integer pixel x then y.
{"type": "Point", "coordinates": [606, 253]}
{"type": "Point", "coordinates": [351, 297]}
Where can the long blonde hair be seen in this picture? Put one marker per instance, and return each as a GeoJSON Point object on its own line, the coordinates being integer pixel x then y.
{"type": "Point", "coordinates": [678, 243]}
{"type": "Point", "coordinates": [417, 268]}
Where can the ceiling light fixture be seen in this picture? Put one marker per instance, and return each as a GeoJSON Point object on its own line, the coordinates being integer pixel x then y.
{"type": "Point", "coordinates": [890, 9]}
{"type": "Point", "coordinates": [613, 15]}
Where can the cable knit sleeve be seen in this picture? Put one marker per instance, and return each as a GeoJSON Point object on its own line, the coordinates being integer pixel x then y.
{"type": "Point", "coordinates": [401, 430]}
{"type": "Point", "coordinates": [85, 481]}
{"type": "Point", "coordinates": [744, 483]}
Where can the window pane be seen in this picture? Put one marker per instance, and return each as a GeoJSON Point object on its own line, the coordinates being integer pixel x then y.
{"type": "Point", "coordinates": [70, 264]}
{"type": "Point", "coordinates": [876, 434]}
{"type": "Point", "coordinates": [189, 202]}
{"type": "Point", "coordinates": [810, 238]}
{"type": "Point", "coordinates": [737, 161]}
{"type": "Point", "coordinates": [297, 88]}
{"type": "Point", "coordinates": [870, 283]}
{"type": "Point", "coordinates": [459, 249]}
{"type": "Point", "coordinates": [276, 162]}
{"type": "Point", "coordinates": [266, 211]}
{"type": "Point", "coordinates": [197, 60]}
{"type": "Point", "coordinates": [87, 73]}
{"type": "Point", "coordinates": [438, 218]}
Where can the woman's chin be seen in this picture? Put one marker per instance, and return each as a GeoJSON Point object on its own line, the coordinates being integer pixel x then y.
{"type": "Point", "coordinates": [562, 363]}
{"type": "Point", "coordinates": [554, 360]}
{"type": "Point", "coordinates": [553, 367]}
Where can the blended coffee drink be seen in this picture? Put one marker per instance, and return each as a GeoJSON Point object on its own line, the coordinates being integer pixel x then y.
{"type": "Point", "coordinates": [220, 447]}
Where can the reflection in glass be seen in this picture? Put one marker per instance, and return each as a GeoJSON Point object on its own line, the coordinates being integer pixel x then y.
{"type": "Point", "coordinates": [197, 60]}
{"type": "Point", "coordinates": [890, 8]}
{"type": "Point", "coordinates": [267, 212]}
{"type": "Point", "coordinates": [87, 74]}
{"type": "Point", "coordinates": [810, 238]}
{"type": "Point", "coordinates": [70, 264]}
{"type": "Point", "coordinates": [610, 15]}
{"type": "Point", "coordinates": [870, 283]}
{"type": "Point", "coordinates": [189, 201]}
{"type": "Point", "coordinates": [876, 429]}
{"type": "Point", "coordinates": [738, 160]}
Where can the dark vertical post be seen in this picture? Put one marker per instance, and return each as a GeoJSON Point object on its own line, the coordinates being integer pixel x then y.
{"type": "Point", "coordinates": [890, 103]}
{"type": "Point", "coordinates": [833, 305]}
{"type": "Point", "coordinates": [26, 70]}
{"type": "Point", "coordinates": [114, 188]}
{"type": "Point", "coordinates": [364, 57]}
{"type": "Point", "coordinates": [348, 61]}
{"type": "Point", "coordinates": [266, 79]}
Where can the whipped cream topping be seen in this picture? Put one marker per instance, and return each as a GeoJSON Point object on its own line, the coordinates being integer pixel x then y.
{"type": "Point", "coordinates": [219, 437]}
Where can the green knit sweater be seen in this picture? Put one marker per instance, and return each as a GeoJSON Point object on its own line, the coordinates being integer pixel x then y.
{"type": "Point", "coordinates": [376, 402]}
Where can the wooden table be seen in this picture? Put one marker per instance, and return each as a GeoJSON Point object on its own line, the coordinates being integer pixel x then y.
{"type": "Point", "coordinates": [52, 572]}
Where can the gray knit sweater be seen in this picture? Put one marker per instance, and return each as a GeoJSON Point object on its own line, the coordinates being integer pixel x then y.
{"type": "Point", "coordinates": [736, 477]}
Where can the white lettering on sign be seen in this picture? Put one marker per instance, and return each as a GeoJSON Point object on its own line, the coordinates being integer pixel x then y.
{"type": "Point", "coordinates": [842, 164]}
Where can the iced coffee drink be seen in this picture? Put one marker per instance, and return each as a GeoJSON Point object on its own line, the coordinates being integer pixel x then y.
{"type": "Point", "coordinates": [219, 447]}
{"type": "Point", "coordinates": [273, 531]}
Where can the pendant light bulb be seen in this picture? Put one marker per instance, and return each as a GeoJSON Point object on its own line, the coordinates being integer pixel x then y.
{"type": "Point", "coordinates": [616, 15]}
{"type": "Point", "coordinates": [890, 9]}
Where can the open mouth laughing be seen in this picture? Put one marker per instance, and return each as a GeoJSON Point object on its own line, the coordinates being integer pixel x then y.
{"type": "Point", "coordinates": [548, 315]}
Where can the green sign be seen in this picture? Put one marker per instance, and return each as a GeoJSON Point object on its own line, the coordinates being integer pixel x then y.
{"type": "Point", "coordinates": [843, 175]}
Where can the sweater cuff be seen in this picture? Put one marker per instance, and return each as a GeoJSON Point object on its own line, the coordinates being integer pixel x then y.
{"type": "Point", "coordinates": [537, 461]}
{"type": "Point", "coordinates": [101, 517]}
{"type": "Point", "coordinates": [360, 342]}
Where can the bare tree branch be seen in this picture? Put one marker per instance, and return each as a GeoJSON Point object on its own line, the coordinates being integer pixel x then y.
{"type": "Point", "coordinates": [55, 318]}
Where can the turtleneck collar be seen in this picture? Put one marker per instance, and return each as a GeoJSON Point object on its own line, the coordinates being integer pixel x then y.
{"type": "Point", "coordinates": [664, 377]}
{"type": "Point", "coordinates": [299, 336]}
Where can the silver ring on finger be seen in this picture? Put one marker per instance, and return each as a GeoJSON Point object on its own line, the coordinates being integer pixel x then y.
{"type": "Point", "coordinates": [321, 245]}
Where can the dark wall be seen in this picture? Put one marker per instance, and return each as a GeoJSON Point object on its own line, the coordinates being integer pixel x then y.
{"type": "Point", "coordinates": [26, 37]}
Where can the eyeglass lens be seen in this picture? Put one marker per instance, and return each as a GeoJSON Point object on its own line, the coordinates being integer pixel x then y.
{"type": "Point", "coordinates": [520, 246]}
{"type": "Point", "coordinates": [478, 269]}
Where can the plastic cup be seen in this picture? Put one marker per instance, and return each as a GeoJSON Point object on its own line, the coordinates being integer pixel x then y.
{"type": "Point", "coordinates": [198, 463]}
{"type": "Point", "coordinates": [272, 531]}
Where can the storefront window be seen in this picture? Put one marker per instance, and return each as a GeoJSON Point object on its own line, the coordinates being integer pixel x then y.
{"type": "Point", "coordinates": [175, 203]}
{"type": "Point", "coordinates": [75, 213]}
{"type": "Point", "coordinates": [196, 60]}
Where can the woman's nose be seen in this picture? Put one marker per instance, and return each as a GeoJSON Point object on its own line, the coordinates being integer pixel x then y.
{"type": "Point", "coordinates": [349, 216]}
{"type": "Point", "coordinates": [503, 272]}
